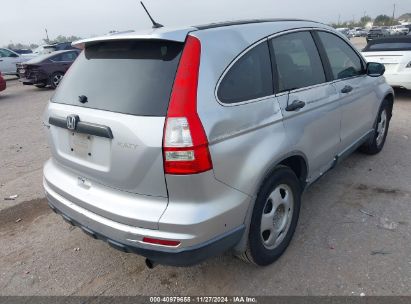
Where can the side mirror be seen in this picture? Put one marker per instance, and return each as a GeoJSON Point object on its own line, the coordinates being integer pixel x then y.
{"type": "Point", "coordinates": [375, 69]}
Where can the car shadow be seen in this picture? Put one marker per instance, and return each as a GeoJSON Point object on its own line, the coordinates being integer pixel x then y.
{"type": "Point", "coordinates": [402, 93]}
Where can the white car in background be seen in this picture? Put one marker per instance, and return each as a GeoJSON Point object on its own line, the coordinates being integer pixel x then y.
{"type": "Point", "coordinates": [345, 31]}
{"type": "Point", "coordinates": [43, 49]}
{"type": "Point", "coordinates": [9, 59]}
{"type": "Point", "coordinates": [399, 30]}
{"type": "Point", "coordinates": [395, 54]}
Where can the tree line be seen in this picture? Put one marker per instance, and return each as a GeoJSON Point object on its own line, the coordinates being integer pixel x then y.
{"type": "Point", "coordinates": [58, 39]}
{"type": "Point", "coordinates": [380, 20]}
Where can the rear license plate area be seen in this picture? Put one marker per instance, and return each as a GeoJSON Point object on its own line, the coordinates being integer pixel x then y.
{"type": "Point", "coordinates": [81, 144]}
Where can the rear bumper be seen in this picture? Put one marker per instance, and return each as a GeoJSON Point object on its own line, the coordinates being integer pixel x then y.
{"type": "Point", "coordinates": [33, 81]}
{"type": "Point", "coordinates": [182, 257]}
{"type": "Point", "coordinates": [207, 221]}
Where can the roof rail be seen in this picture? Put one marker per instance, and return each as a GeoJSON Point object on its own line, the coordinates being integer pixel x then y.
{"type": "Point", "coordinates": [250, 21]}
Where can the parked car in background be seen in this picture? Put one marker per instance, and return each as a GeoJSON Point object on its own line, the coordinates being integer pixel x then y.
{"type": "Point", "coordinates": [23, 51]}
{"type": "Point", "coordinates": [345, 31]}
{"type": "Point", "coordinates": [360, 32]}
{"type": "Point", "coordinates": [9, 59]}
{"type": "Point", "coordinates": [3, 84]}
{"type": "Point", "coordinates": [59, 47]}
{"type": "Point", "coordinates": [395, 54]}
{"type": "Point", "coordinates": [376, 33]}
{"type": "Point", "coordinates": [154, 149]}
{"type": "Point", "coordinates": [43, 49]}
{"type": "Point", "coordinates": [404, 30]}
{"type": "Point", "coordinates": [400, 30]}
{"type": "Point", "coordinates": [46, 69]}
{"type": "Point", "coordinates": [391, 30]}
{"type": "Point", "coordinates": [64, 46]}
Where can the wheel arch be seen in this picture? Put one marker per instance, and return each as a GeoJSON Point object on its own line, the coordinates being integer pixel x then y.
{"type": "Point", "coordinates": [390, 99]}
{"type": "Point", "coordinates": [297, 162]}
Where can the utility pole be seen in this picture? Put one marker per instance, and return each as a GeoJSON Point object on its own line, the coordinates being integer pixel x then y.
{"type": "Point", "coordinates": [393, 15]}
{"type": "Point", "coordinates": [47, 36]}
{"type": "Point", "coordinates": [339, 19]}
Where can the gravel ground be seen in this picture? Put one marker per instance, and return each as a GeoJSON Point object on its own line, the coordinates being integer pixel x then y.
{"type": "Point", "coordinates": [354, 234]}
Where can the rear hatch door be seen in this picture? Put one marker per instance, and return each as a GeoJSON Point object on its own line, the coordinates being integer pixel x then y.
{"type": "Point", "coordinates": [107, 116]}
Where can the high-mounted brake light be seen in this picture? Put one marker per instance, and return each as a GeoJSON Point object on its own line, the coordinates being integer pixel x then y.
{"type": "Point", "coordinates": [185, 144]}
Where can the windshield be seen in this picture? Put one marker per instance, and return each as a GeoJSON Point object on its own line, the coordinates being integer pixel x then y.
{"type": "Point", "coordinates": [131, 77]}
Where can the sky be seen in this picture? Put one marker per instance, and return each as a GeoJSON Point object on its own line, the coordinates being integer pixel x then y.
{"type": "Point", "coordinates": [25, 20]}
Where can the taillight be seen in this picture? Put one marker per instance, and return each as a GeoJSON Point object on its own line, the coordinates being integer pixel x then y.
{"type": "Point", "coordinates": [185, 144]}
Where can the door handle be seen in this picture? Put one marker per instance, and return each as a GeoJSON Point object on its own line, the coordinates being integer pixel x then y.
{"type": "Point", "coordinates": [295, 105]}
{"type": "Point", "coordinates": [347, 89]}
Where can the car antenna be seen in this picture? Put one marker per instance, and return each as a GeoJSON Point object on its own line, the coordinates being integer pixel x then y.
{"type": "Point", "coordinates": [155, 24]}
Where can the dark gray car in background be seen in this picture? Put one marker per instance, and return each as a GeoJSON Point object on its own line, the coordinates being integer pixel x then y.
{"type": "Point", "coordinates": [46, 69]}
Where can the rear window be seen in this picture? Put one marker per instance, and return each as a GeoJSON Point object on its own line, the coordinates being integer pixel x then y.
{"type": "Point", "coordinates": [131, 77]}
{"type": "Point", "coordinates": [390, 46]}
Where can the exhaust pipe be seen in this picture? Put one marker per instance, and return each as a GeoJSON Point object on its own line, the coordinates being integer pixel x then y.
{"type": "Point", "coordinates": [150, 264]}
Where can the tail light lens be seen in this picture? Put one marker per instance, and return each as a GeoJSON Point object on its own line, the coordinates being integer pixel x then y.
{"type": "Point", "coordinates": [185, 144]}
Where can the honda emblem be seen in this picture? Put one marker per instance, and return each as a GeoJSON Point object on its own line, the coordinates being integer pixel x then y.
{"type": "Point", "coordinates": [72, 121]}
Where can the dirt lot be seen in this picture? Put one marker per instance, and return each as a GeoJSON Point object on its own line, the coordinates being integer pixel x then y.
{"type": "Point", "coordinates": [338, 249]}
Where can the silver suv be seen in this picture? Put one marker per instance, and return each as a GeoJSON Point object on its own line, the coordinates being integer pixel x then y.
{"type": "Point", "coordinates": [180, 144]}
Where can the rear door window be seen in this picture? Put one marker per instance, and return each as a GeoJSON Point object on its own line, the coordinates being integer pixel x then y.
{"type": "Point", "coordinates": [70, 56]}
{"type": "Point", "coordinates": [298, 61]}
{"type": "Point", "coordinates": [344, 61]}
{"type": "Point", "coordinates": [131, 77]}
{"type": "Point", "coordinates": [65, 57]}
{"type": "Point", "coordinates": [249, 78]}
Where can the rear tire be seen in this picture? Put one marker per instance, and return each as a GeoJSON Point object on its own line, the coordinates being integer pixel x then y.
{"type": "Point", "coordinates": [376, 143]}
{"type": "Point", "coordinates": [275, 217]}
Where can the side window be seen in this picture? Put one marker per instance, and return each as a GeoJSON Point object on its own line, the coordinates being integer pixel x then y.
{"type": "Point", "coordinates": [5, 53]}
{"type": "Point", "coordinates": [249, 78]}
{"type": "Point", "coordinates": [71, 56]}
{"type": "Point", "coordinates": [298, 61]}
{"type": "Point", "coordinates": [56, 58]}
{"type": "Point", "coordinates": [344, 61]}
